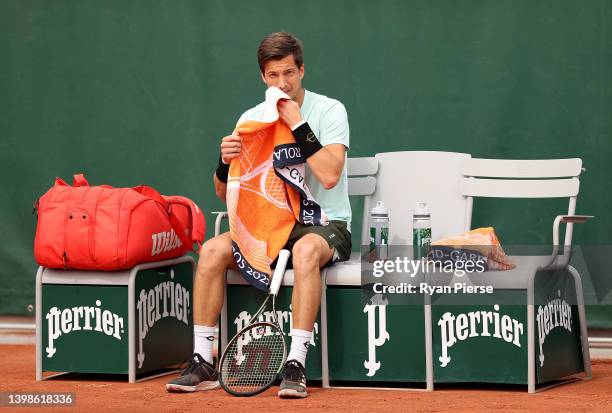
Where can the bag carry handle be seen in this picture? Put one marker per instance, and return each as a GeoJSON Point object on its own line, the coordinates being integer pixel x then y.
{"type": "Point", "coordinates": [79, 180]}
{"type": "Point", "coordinates": [60, 182]}
{"type": "Point", "coordinates": [176, 225]}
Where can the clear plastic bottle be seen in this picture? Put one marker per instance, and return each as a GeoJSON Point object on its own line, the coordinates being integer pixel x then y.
{"type": "Point", "coordinates": [421, 231]}
{"type": "Point", "coordinates": [379, 231]}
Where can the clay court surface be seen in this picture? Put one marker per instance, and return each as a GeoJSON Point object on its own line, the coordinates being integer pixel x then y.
{"type": "Point", "coordinates": [17, 369]}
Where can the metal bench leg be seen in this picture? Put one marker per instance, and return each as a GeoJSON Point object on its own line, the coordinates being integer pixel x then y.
{"type": "Point", "coordinates": [586, 355]}
{"type": "Point", "coordinates": [223, 324]}
{"type": "Point", "coordinates": [429, 373]}
{"type": "Point", "coordinates": [324, 349]}
{"type": "Point", "coordinates": [39, 347]}
{"type": "Point", "coordinates": [531, 366]}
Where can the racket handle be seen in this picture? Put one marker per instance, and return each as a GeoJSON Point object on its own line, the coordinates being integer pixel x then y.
{"type": "Point", "coordinates": [279, 271]}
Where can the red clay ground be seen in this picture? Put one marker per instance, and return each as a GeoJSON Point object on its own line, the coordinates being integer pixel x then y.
{"type": "Point", "coordinates": [17, 372]}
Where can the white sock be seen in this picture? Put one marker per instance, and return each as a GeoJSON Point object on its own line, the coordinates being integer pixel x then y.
{"type": "Point", "coordinates": [300, 340]}
{"type": "Point", "coordinates": [203, 339]}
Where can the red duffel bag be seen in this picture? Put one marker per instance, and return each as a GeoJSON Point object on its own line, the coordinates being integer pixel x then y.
{"type": "Point", "coordinates": [105, 228]}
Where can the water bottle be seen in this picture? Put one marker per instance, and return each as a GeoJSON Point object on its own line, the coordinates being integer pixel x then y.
{"type": "Point", "coordinates": [379, 231]}
{"type": "Point", "coordinates": [421, 231]}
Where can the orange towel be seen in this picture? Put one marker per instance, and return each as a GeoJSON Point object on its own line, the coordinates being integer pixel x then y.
{"type": "Point", "coordinates": [266, 193]}
{"type": "Point", "coordinates": [483, 241]}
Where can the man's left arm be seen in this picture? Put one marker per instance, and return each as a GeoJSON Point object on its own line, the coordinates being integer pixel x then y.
{"type": "Point", "coordinates": [327, 164]}
{"type": "Point", "coordinates": [325, 155]}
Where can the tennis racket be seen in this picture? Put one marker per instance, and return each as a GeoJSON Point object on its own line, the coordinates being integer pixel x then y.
{"type": "Point", "coordinates": [255, 356]}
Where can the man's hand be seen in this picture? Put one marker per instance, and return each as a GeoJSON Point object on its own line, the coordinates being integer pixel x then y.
{"type": "Point", "coordinates": [289, 112]}
{"type": "Point", "coordinates": [231, 146]}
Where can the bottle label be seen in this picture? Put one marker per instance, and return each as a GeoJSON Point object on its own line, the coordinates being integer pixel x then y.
{"type": "Point", "coordinates": [421, 242]}
{"type": "Point", "coordinates": [378, 243]}
{"type": "Point", "coordinates": [372, 238]}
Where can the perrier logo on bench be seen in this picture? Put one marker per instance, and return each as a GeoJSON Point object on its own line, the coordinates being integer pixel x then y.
{"type": "Point", "coordinates": [86, 318]}
{"type": "Point", "coordinates": [166, 299]}
{"type": "Point", "coordinates": [480, 323]}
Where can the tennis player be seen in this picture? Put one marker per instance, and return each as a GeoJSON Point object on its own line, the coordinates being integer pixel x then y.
{"type": "Point", "coordinates": [320, 127]}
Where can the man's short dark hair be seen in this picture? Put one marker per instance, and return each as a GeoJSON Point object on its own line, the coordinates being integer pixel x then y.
{"type": "Point", "coordinates": [276, 46]}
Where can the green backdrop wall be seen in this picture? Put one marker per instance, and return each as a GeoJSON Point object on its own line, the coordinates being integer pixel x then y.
{"type": "Point", "coordinates": [132, 92]}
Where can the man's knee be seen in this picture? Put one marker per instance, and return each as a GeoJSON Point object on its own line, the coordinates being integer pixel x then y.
{"type": "Point", "coordinates": [216, 252]}
{"type": "Point", "coordinates": [307, 254]}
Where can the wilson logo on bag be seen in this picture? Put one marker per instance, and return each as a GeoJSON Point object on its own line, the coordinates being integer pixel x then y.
{"type": "Point", "coordinates": [105, 228]}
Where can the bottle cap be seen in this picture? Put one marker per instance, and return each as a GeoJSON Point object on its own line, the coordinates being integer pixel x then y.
{"type": "Point", "coordinates": [421, 210]}
{"type": "Point", "coordinates": [380, 210]}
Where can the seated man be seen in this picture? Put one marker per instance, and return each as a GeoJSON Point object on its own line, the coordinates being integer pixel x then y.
{"type": "Point", "coordinates": [320, 127]}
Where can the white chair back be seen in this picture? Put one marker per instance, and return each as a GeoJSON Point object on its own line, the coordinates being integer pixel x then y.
{"type": "Point", "coordinates": [501, 178]}
{"type": "Point", "coordinates": [361, 182]}
{"type": "Point", "coordinates": [405, 178]}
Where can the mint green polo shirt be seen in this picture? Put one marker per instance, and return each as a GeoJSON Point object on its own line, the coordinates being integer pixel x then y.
{"type": "Point", "coordinates": [328, 120]}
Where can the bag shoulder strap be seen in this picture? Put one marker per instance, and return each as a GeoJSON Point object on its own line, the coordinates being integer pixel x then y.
{"type": "Point", "coordinates": [198, 223]}
{"type": "Point", "coordinates": [178, 228]}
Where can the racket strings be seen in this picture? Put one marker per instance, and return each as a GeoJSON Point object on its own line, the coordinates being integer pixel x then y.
{"type": "Point", "coordinates": [253, 360]}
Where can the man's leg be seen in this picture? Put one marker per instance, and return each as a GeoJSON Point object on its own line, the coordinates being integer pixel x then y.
{"type": "Point", "coordinates": [215, 257]}
{"type": "Point", "coordinates": [309, 254]}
